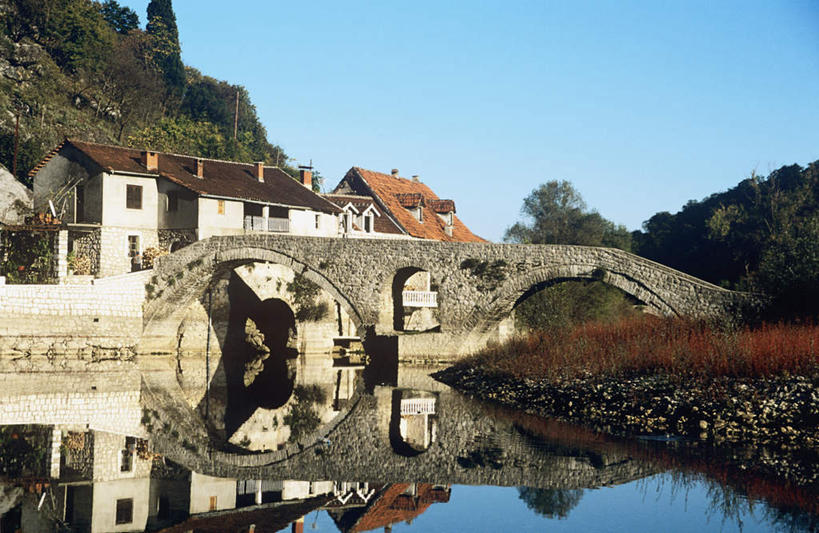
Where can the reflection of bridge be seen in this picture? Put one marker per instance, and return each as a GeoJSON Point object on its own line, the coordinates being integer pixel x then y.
{"type": "Point", "coordinates": [477, 284]}
{"type": "Point", "coordinates": [472, 447]}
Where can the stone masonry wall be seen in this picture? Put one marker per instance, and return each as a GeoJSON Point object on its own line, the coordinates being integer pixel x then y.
{"type": "Point", "coordinates": [478, 283]}
{"type": "Point", "coordinates": [104, 401]}
{"type": "Point", "coordinates": [38, 319]}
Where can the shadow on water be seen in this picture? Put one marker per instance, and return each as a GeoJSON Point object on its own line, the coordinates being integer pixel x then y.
{"type": "Point", "coordinates": [270, 384]}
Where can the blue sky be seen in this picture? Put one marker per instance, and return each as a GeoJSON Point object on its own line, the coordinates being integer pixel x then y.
{"type": "Point", "coordinates": [641, 105]}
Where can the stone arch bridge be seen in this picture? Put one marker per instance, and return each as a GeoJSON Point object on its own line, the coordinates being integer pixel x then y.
{"type": "Point", "coordinates": [478, 284]}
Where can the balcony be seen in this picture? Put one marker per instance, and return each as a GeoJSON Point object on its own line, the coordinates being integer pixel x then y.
{"type": "Point", "coordinates": [419, 298]}
{"type": "Point", "coordinates": [274, 225]}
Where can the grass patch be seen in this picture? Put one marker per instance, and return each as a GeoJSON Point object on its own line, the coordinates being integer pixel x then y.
{"type": "Point", "coordinates": [650, 345]}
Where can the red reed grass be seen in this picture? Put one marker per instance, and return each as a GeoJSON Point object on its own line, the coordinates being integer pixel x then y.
{"type": "Point", "coordinates": [651, 345]}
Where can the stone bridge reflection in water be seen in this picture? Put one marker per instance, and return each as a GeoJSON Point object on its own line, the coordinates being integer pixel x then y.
{"type": "Point", "coordinates": [127, 450]}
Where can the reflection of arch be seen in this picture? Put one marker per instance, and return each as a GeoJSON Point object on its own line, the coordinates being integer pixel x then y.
{"type": "Point", "coordinates": [518, 287]}
{"type": "Point", "coordinates": [406, 278]}
{"type": "Point", "coordinates": [412, 430]}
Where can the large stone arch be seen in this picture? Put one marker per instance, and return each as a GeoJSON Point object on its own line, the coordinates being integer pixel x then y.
{"type": "Point", "coordinates": [184, 276]}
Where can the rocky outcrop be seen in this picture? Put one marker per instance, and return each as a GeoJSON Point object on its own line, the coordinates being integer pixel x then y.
{"type": "Point", "coordinates": [16, 200]}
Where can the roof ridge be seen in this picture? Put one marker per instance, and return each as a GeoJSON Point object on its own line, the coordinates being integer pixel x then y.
{"type": "Point", "coordinates": [174, 154]}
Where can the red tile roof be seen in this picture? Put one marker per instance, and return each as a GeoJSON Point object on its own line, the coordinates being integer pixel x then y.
{"type": "Point", "coordinates": [394, 505]}
{"type": "Point", "coordinates": [220, 178]}
{"type": "Point", "coordinates": [442, 206]}
{"type": "Point", "coordinates": [381, 224]}
{"type": "Point", "coordinates": [389, 192]}
{"type": "Point", "coordinates": [410, 200]}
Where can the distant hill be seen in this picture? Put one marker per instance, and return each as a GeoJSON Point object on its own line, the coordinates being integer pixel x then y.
{"type": "Point", "coordinates": [85, 69]}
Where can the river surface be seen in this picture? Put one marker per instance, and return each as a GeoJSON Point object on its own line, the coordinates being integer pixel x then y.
{"type": "Point", "coordinates": [388, 451]}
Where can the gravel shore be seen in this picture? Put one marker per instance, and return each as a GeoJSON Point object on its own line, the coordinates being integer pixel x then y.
{"type": "Point", "coordinates": [779, 411]}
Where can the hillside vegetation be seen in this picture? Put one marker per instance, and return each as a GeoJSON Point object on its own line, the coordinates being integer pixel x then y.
{"type": "Point", "coordinates": [762, 235]}
{"type": "Point", "coordinates": [85, 69]}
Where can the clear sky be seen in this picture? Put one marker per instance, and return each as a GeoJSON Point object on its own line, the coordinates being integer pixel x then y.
{"type": "Point", "coordinates": [641, 105]}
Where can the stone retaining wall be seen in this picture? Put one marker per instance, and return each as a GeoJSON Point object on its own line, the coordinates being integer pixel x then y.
{"type": "Point", "coordinates": [104, 314]}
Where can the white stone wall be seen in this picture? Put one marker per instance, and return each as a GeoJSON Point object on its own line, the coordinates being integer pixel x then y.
{"type": "Point", "coordinates": [117, 296]}
{"type": "Point", "coordinates": [212, 223]}
{"type": "Point", "coordinates": [114, 210]}
{"type": "Point", "coordinates": [70, 401]}
{"type": "Point", "coordinates": [114, 258]}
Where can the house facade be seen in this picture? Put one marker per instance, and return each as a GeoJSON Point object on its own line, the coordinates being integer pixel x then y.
{"type": "Point", "coordinates": [387, 205]}
{"type": "Point", "coordinates": [117, 202]}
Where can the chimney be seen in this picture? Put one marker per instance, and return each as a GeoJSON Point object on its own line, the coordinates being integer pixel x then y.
{"type": "Point", "coordinates": [415, 178]}
{"type": "Point", "coordinates": [260, 171]}
{"type": "Point", "coordinates": [150, 161]}
{"type": "Point", "coordinates": [395, 173]}
{"type": "Point", "coordinates": [306, 174]}
{"type": "Point", "coordinates": [200, 169]}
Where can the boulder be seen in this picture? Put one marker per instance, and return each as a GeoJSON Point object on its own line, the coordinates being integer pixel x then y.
{"type": "Point", "coordinates": [16, 200]}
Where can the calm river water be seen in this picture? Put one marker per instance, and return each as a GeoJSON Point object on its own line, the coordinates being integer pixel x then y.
{"type": "Point", "coordinates": [351, 452]}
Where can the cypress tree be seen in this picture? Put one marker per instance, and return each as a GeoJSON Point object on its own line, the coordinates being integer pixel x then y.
{"type": "Point", "coordinates": [167, 53]}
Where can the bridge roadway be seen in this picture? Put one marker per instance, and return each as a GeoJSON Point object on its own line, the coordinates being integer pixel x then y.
{"type": "Point", "coordinates": [478, 284]}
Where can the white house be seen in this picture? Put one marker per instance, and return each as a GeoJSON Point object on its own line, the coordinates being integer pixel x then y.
{"type": "Point", "coordinates": [116, 201]}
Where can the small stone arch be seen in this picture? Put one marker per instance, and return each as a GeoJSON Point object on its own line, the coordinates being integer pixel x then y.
{"type": "Point", "coordinates": [392, 315]}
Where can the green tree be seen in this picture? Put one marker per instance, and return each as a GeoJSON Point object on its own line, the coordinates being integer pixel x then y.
{"type": "Point", "coordinates": [167, 53]}
{"type": "Point", "coordinates": [121, 18]}
{"type": "Point", "coordinates": [551, 503]}
{"type": "Point", "coordinates": [181, 135]}
{"type": "Point", "coordinates": [556, 214]}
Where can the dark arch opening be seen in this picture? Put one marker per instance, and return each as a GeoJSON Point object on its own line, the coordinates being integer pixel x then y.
{"type": "Point", "coordinates": [563, 301]}
{"type": "Point", "coordinates": [259, 363]}
{"type": "Point", "coordinates": [417, 313]}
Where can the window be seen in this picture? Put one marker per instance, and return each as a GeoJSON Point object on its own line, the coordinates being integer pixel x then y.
{"type": "Point", "coordinates": [368, 223]}
{"type": "Point", "coordinates": [173, 201]}
{"type": "Point", "coordinates": [318, 221]}
{"type": "Point", "coordinates": [133, 245]}
{"type": "Point", "coordinates": [133, 196]}
{"type": "Point", "coordinates": [127, 459]}
{"type": "Point", "coordinates": [125, 511]}
{"type": "Point", "coordinates": [212, 506]}
{"type": "Point", "coordinates": [79, 215]}
{"type": "Point", "coordinates": [220, 207]}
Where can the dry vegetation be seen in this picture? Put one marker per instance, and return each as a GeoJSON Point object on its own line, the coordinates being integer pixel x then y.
{"type": "Point", "coordinates": [651, 345]}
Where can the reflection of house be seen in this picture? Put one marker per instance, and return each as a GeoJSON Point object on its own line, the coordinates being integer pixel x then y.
{"type": "Point", "coordinates": [119, 201]}
{"type": "Point", "coordinates": [109, 483]}
{"type": "Point", "coordinates": [399, 502]}
{"type": "Point", "coordinates": [377, 203]}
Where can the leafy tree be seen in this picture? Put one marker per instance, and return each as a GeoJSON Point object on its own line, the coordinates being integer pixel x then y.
{"type": "Point", "coordinates": [181, 135]}
{"type": "Point", "coordinates": [121, 18]}
{"type": "Point", "coordinates": [551, 503]}
{"type": "Point", "coordinates": [167, 53]}
{"type": "Point", "coordinates": [557, 214]}
{"type": "Point", "coordinates": [759, 235]}
{"type": "Point", "coordinates": [128, 87]}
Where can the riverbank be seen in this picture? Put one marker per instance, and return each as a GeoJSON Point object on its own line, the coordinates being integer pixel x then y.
{"type": "Point", "coordinates": [660, 377]}
{"type": "Point", "coordinates": [781, 411]}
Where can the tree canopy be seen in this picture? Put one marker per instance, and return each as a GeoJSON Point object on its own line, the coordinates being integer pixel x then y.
{"type": "Point", "coordinates": [557, 214]}
{"type": "Point", "coordinates": [84, 69]}
{"type": "Point", "coordinates": [762, 235]}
